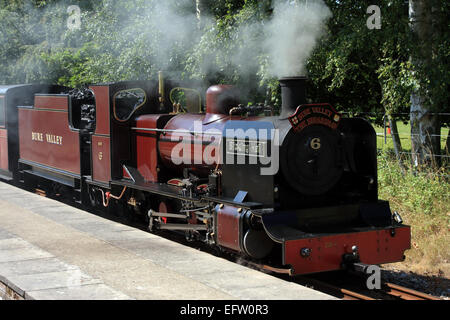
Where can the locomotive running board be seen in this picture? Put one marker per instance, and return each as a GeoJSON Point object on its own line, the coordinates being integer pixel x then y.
{"type": "Point", "coordinates": [156, 188]}
{"type": "Point", "coordinates": [67, 178]}
{"type": "Point", "coordinates": [136, 181]}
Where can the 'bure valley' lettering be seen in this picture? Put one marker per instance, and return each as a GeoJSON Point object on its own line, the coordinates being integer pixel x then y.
{"type": "Point", "coordinates": [49, 138]}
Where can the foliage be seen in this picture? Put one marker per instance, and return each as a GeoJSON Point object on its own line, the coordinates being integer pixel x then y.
{"type": "Point", "coordinates": [422, 199]}
{"type": "Point", "coordinates": [356, 69]}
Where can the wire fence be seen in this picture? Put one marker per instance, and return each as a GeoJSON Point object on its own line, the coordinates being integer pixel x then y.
{"type": "Point", "coordinates": [387, 136]}
{"type": "Point", "coordinates": [386, 145]}
{"type": "Point", "coordinates": [398, 114]}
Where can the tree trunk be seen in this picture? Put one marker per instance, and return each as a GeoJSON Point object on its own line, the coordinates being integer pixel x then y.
{"type": "Point", "coordinates": [396, 140]}
{"type": "Point", "coordinates": [425, 126]}
{"type": "Point", "coordinates": [447, 145]}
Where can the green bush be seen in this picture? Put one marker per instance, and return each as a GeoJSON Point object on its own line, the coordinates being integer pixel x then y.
{"type": "Point", "coordinates": [425, 191]}
{"type": "Point", "coordinates": [422, 199]}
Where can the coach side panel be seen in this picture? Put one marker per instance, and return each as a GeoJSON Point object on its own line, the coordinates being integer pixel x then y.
{"type": "Point", "coordinates": [46, 139]}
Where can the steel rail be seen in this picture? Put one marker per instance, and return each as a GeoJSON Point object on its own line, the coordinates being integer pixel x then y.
{"type": "Point", "coordinates": [406, 293]}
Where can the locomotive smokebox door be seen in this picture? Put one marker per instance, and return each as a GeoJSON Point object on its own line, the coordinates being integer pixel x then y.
{"type": "Point", "coordinates": [250, 160]}
{"type": "Point", "coordinates": [312, 152]}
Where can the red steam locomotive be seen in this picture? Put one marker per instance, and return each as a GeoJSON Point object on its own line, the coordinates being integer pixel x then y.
{"type": "Point", "coordinates": [297, 191]}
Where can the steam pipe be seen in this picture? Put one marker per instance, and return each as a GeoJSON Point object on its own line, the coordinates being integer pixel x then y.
{"type": "Point", "coordinates": [161, 88]}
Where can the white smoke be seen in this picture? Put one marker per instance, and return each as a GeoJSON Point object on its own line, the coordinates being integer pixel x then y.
{"type": "Point", "coordinates": [292, 35]}
{"type": "Point", "coordinates": [167, 33]}
{"type": "Point", "coordinates": [283, 44]}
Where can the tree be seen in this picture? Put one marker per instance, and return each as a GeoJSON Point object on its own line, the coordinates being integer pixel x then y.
{"type": "Point", "coordinates": [430, 95]}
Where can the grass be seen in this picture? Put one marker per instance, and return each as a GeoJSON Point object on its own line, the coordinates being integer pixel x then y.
{"type": "Point", "coordinates": [404, 131]}
{"type": "Point", "coordinates": [423, 200]}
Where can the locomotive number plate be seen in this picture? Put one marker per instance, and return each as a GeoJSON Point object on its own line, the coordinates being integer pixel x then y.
{"type": "Point", "coordinates": [247, 148]}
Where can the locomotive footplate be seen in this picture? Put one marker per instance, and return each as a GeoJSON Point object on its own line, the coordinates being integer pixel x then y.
{"type": "Point", "coordinates": [136, 181]}
{"type": "Point", "coordinates": [314, 250]}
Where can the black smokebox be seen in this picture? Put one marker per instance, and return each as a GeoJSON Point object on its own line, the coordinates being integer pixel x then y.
{"type": "Point", "coordinates": [293, 94]}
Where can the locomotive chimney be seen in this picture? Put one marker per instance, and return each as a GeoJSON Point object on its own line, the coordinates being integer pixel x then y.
{"type": "Point", "coordinates": [293, 94]}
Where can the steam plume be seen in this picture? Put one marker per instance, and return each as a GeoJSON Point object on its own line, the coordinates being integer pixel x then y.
{"type": "Point", "coordinates": [292, 35]}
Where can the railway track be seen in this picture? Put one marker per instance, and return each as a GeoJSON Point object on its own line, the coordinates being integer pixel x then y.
{"type": "Point", "coordinates": [407, 294]}
{"type": "Point", "coordinates": [348, 286]}
{"type": "Point", "coordinates": [388, 291]}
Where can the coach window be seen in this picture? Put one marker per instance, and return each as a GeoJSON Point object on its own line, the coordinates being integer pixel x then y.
{"type": "Point", "coordinates": [127, 102]}
{"type": "Point", "coordinates": [2, 112]}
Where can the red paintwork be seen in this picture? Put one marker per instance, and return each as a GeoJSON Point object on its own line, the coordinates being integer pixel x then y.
{"type": "Point", "coordinates": [101, 159]}
{"type": "Point", "coordinates": [4, 149]}
{"type": "Point", "coordinates": [64, 156]}
{"type": "Point", "coordinates": [193, 129]}
{"type": "Point", "coordinates": [101, 147]}
{"type": "Point", "coordinates": [199, 158]}
{"type": "Point", "coordinates": [51, 102]}
{"type": "Point", "coordinates": [200, 136]}
{"type": "Point", "coordinates": [214, 95]}
{"type": "Point", "coordinates": [125, 174]}
{"type": "Point", "coordinates": [147, 147]}
{"type": "Point", "coordinates": [228, 228]}
{"type": "Point", "coordinates": [375, 247]}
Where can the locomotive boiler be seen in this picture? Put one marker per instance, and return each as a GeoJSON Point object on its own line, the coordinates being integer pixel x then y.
{"type": "Point", "coordinates": [298, 191]}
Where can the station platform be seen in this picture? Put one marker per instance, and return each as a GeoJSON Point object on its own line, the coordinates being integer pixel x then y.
{"type": "Point", "coordinates": [52, 251]}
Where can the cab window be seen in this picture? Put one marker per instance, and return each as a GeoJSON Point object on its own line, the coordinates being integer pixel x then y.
{"type": "Point", "coordinates": [127, 102]}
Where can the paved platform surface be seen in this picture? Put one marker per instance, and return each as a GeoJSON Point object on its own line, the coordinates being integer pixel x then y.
{"type": "Point", "coordinates": [51, 251]}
